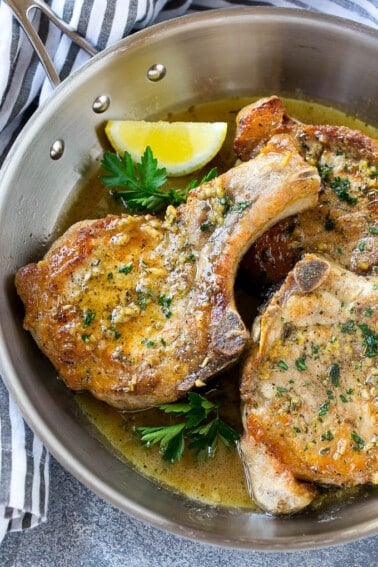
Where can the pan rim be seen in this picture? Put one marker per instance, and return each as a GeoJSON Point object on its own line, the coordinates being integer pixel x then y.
{"type": "Point", "coordinates": [58, 449]}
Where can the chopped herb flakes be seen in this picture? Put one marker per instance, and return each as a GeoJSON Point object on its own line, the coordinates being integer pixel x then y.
{"type": "Point", "coordinates": [315, 349]}
{"type": "Point", "coordinates": [348, 327]}
{"type": "Point", "coordinates": [282, 364]}
{"type": "Point", "coordinates": [328, 436]}
{"type": "Point", "coordinates": [341, 187]}
{"type": "Point", "coordinates": [281, 390]}
{"type": "Point", "coordinates": [240, 207]}
{"type": "Point", "coordinates": [205, 226]}
{"type": "Point", "coordinates": [230, 207]}
{"type": "Point", "coordinates": [324, 171]}
{"type": "Point", "coordinates": [88, 317]}
{"type": "Point", "coordinates": [165, 302]}
{"type": "Point", "coordinates": [300, 363]}
{"type": "Point", "coordinates": [126, 269]}
{"type": "Point", "coordinates": [330, 394]}
{"type": "Point", "coordinates": [323, 410]}
{"type": "Point", "coordinates": [359, 443]}
{"type": "Point", "coordinates": [148, 343]}
{"type": "Point", "coordinates": [329, 223]}
{"type": "Point", "coordinates": [116, 334]}
{"type": "Point", "coordinates": [143, 298]}
{"type": "Point", "coordinates": [334, 374]}
{"type": "Point", "coordinates": [142, 302]}
{"type": "Point", "coordinates": [325, 451]}
{"type": "Point", "coordinates": [370, 342]}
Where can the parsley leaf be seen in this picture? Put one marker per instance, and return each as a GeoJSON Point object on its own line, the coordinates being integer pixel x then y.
{"type": "Point", "coordinates": [170, 437]}
{"type": "Point", "coordinates": [370, 341]}
{"type": "Point", "coordinates": [88, 317]}
{"type": "Point", "coordinates": [359, 443]}
{"type": "Point", "coordinates": [165, 303]}
{"type": "Point", "coordinates": [203, 428]}
{"type": "Point", "coordinates": [142, 182]}
{"type": "Point", "coordinates": [205, 437]}
{"type": "Point", "coordinates": [334, 374]}
{"type": "Point", "coordinates": [300, 363]}
{"type": "Point", "coordinates": [341, 187]}
{"type": "Point", "coordinates": [324, 172]}
{"type": "Point", "coordinates": [323, 410]}
{"type": "Point", "coordinates": [126, 269]}
{"type": "Point", "coordinates": [282, 364]}
{"type": "Point", "coordinates": [328, 436]}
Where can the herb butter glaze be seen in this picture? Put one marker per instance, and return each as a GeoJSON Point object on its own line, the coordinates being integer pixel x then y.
{"type": "Point", "coordinates": [198, 479]}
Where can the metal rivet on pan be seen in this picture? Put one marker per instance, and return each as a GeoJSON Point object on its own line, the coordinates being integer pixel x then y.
{"type": "Point", "coordinates": [57, 149]}
{"type": "Point", "coordinates": [100, 104]}
{"type": "Point", "coordinates": [156, 72]}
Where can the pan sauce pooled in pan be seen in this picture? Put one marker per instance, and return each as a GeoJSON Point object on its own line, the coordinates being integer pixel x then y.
{"type": "Point", "coordinates": [96, 412]}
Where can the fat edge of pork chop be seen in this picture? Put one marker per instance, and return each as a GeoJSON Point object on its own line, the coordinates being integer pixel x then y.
{"type": "Point", "coordinates": [309, 387]}
{"type": "Point", "coordinates": [344, 224]}
{"type": "Point", "coordinates": [138, 310]}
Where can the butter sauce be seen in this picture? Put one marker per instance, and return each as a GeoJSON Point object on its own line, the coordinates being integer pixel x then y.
{"type": "Point", "coordinates": [219, 480]}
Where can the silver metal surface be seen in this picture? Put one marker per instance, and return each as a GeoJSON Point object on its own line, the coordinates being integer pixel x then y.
{"type": "Point", "coordinates": [156, 72]}
{"type": "Point", "coordinates": [213, 55]}
{"type": "Point", "coordinates": [57, 149]}
{"type": "Point", "coordinates": [101, 104]}
{"type": "Point", "coordinates": [22, 10]}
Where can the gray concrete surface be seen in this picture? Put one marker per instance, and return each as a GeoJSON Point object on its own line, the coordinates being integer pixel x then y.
{"type": "Point", "coordinates": [84, 531]}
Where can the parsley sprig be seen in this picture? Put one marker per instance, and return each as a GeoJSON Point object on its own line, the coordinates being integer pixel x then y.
{"type": "Point", "coordinates": [143, 182]}
{"type": "Point", "coordinates": [202, 429]}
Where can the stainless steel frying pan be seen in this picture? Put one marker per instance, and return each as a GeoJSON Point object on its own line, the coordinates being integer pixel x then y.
{"type": "Point", "coordinates": [212, 55]}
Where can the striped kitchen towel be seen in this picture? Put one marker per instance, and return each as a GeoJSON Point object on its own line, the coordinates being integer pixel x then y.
{"type": "Point", "coordinates": [24, 461]}
{"type": "Point", "coordinates": [24, 474]}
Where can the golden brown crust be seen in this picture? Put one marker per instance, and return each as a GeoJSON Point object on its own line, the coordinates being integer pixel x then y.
{"type": "Point", "coordinates": [256, 124]}
{"type": "Point", "coordinates": [137, 309]}
{"type": "Point", "coordinates": [309, 381]}
{"type": "Point", "coordinates": [344, 224]}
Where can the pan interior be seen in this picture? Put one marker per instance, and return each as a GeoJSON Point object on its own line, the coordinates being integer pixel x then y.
{"type": "Point", "coordinates": [236, 53]}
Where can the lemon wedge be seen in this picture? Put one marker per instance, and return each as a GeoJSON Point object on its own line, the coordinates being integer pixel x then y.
{"type": "Point", "coordinates": [180, 147]}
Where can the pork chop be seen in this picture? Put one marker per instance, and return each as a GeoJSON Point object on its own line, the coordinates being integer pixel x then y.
{"type": "Point", "coordinates": [138, 310]}
{"type": "Point", "coordinates": [344, 224]}
{"type": "Point", "coordinates": [309, 387]}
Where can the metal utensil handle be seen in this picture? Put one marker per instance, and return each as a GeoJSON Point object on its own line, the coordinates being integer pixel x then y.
{"type": "Point", "coordinates": [21, 10]}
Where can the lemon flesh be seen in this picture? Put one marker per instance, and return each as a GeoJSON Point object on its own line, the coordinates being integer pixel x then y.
{"type": "Point", "coordinates": [180, 147]}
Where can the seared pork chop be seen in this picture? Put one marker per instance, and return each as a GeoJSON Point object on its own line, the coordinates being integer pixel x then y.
{"type": "Point", "coordinates": [138, 310]}
{"type": "Point", "coordinates": [344, 224]}
{"type": "Point", "coordinates": [309, 387]}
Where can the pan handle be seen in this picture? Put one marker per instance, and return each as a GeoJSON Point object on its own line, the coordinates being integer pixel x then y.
{"type": "Point", "coordinates": [21, 10]}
